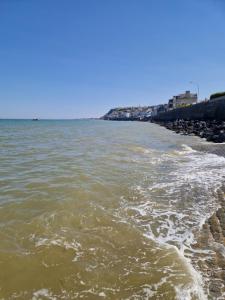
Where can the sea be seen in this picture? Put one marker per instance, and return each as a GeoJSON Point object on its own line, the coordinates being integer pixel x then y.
{"type": "Point", "coordinates": [93, 209]}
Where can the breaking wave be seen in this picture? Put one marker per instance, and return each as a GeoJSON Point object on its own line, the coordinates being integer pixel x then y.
{"type": "Point", "coordinates": [173, 208]}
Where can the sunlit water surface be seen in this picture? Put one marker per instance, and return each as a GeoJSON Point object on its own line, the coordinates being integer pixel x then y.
{"type": "Point", "coordinates": [96, 209]}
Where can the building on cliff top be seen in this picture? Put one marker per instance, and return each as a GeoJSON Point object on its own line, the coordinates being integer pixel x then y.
{"type": "Point", "coordinates": [182, 100]}
{"type": "Point", "coordinates": [129, 113]}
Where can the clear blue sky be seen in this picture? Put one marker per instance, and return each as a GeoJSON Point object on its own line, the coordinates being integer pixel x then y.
{"type": "Point", "coordinates": [79, 58]}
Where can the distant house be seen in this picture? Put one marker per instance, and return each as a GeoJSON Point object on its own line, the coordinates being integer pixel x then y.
{"type": "Point", "coordinates": [170, 104]}
{"type": "Point", "coordinates": [165, 106]}
{"type": "Point", "coordinates": [158, 109]}
{"type": "Point", "coordinates": [182, 100]}
{"type": "Point", "coordinates": [129, 113]}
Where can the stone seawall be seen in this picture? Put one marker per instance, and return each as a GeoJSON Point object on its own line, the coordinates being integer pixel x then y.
{"type": "Point", "coordinates": [212, 131]}
{"type": "Point", "coordinates": [205, 119]}
{"type": "Point", "coordinates": [204, 111]}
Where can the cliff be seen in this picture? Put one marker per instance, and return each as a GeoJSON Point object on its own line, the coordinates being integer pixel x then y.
{"type": "Point", "coordinates": [128, 113]}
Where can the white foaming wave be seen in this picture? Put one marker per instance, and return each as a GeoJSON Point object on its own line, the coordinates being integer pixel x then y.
{"type": "Point", "coordinates": [202, 172]}
{"type": "Point", "coordinates": [201, 168]}
{"type": "Point", "coordinates": [143, 150]}
{"type": "Point", "coordinates": [59, 241]}
{"type": "Point", "coordinates": [138, 154]}
{"type": "Point", "coordinates": [47, 294]}
{"type": "Point", "coordinates": [39, 294]}
{"type": "Point", "coordinates": [185, 293]}
{"type": "Point", "coordinates": [185, 150]}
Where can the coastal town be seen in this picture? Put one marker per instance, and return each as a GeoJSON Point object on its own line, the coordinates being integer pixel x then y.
{"type": "Point", "coordinates": [142, 112]}
{"type": "Point", "coordinates": [183, 113]}
{"type": "Point", "coordinates": [185, 99]}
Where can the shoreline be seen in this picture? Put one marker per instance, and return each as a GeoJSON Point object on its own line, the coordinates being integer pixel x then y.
{"type": "Point", "coordinates": [210, 250]}
{"type": "Point", "coordinates": [209, 247]}
{"type": "Point", "coordinates": [212, 131]}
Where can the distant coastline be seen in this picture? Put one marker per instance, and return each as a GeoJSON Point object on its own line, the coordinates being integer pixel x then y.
{"type": "Point", "coordinates": [205, 119]}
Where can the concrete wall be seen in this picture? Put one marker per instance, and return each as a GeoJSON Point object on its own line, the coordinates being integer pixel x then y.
{"type": "Point", "coordinates": [218, 98]}
{"type": "Point", "coordinates": [210, 110]}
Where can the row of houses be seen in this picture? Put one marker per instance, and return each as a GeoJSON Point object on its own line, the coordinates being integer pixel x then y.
{"type": "Point", "coordinates": [143, 112]}
{"type": "Point", "coordinates": [146, 112]}
{"type": "Point", "coordinates": [184, 100]}
{"type": "Point", "coordinates": [126, 113]}
{"type": "Point", "coordinates": [180, 100]}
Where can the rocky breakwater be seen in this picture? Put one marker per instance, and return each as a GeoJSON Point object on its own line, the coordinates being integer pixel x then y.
{"type": "Point", "coordinates": [209, 251]}
{"type": "Point", "coordinates": [212, 131]}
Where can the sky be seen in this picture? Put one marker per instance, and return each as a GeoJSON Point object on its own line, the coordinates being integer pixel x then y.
{"type": "Point", "coordinates": [79, 58]}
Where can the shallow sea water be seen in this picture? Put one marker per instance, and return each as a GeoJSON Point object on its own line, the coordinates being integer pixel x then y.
{"type": "Point", "coordinates": [102, 210]}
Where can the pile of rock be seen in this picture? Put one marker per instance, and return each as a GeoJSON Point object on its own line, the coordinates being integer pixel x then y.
{"type": "Point", "coordinates": [211, 238]}
{"type": "Point", "coordinates": [212, 131]}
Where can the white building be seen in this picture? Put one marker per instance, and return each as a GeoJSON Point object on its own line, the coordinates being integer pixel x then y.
{"type": "Point", "coordinates": [185, 99]}
{"type": "Point", "coordinates": [182, 100]}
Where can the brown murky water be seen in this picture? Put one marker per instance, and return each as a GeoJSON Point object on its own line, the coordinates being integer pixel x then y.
{"type": "Point", "coordinates": [102, 210]}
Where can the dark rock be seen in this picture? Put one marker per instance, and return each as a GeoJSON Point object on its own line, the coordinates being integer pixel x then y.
{"type": "Point", "coordinates": [212, 131]}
